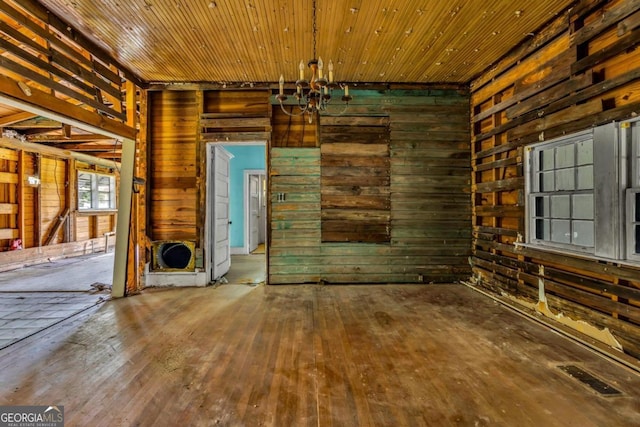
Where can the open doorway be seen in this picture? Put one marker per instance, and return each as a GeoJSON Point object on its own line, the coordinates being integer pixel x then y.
{"type": "Point", "coordinates": [255, 211]}
{"type": "Point", "coordinates": [248, 213]}
{"type": "Point", "coordinates": [246, 220]}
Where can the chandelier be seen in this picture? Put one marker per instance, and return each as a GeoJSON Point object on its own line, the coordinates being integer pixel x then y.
{"type": "Point", "coordinates": [315, 94]}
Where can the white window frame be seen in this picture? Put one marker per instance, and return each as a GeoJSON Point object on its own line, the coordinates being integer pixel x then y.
{"type": "Point", "coordinates": [630, 135]}
{"type": "Point", "coordinates": [616, 175]}
{"type": "Point", "coordinates": [95, 192]}
{"type": "Point", "coordinates": [551, 197]}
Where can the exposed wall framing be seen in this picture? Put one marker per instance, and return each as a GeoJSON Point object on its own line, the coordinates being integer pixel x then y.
{"type": "Point", "coordinates": [44, 53]}
{"type": "Point", "coordinates": [38, 205]}
{"type": "Point", "coordinates": [582, 70]}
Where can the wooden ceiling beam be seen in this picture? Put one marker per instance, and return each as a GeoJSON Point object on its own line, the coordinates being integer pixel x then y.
{"type": "Point", "coordinates": [37, 131]}
{"type": "Point", "coordinates": [72, 138]}
{"type": "Point", "coordinates": [57, 152]}
{"type": "Point", "coordinates": [16, 118]}
{"type": "Point", "coordinates": [63, 27]}
{"type": "Point", "coordinates": [45, 104]}
{"type": "Point", "coordinates": [37, 123]}
{"type": "Point", "coordinates": [109, 155]}
{"type": "Point", "coordinates": [88, 147]}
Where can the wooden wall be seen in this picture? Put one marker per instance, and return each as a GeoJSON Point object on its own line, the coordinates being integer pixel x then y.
{"type": "Point", "coordinates": [429, 166]}
{"type": "Point", "coordinates": [293, 131]}
{"type": "Point", "coordinates": [173, 184]}
{"type": "Point", "coordinates": [355, 179]}
{"type": "Point", "coordinates": [580, 71]}
{"type": "Point", "coordinates": [9, 194]}
{"type": "Point", "coordinates": [33, 213]}
{"type": "Point", "coordinates": [53, 198]}
{"type": "Point", "coordinates": [430, 208]}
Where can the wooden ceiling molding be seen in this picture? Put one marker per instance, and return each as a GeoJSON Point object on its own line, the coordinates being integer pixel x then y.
{"type": "Point", "coordinates": [373, 41]}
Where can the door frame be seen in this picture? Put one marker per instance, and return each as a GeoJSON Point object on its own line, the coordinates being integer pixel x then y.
{"type": "Point", "coordinates": [247, 214]}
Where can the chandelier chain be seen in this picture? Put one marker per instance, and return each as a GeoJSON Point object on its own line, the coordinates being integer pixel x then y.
{"type": "Point", "coordinates": [315, 29]}
{"type": "Point", "coordinates": [313, 95]}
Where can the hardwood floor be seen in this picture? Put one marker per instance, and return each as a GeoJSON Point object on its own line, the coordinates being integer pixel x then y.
{"type": "Point", "coordinates": [238, 355]}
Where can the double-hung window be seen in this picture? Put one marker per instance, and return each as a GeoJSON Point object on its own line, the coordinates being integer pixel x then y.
{"type": "Point", "coordinates": [96, 191]}
{"type": "Point", "coordinates": [583, 192]}
{"type": "Point", "coordinates": [562, 194]}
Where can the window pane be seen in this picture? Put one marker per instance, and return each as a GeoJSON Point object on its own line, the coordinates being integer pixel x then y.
{"type": "Point", "coordinates": [547, 181]}
{"type": "Point", "coordinates": [637, 233]}
{"type": "Point", "coordinates": [565, 156]}
{"type": "Point", "coordinates": [84, 191]}
{"type": "Point", "coordinates": [583, 233]}
{"type": "Point", "coordinates": [96, 191]}
{"type": "Point", "coordinates": [104, 201]}
{"type": "Point", "coordinates": [546, 159]}
{"type": "Point", "coordinates": [542, 207]}
{"type": "Point", "coordinates": [104, 183]}
{"type": "Point", "coordinates": [637, 213]}
{"type": "Point", "coordinates": [84, 180]}
{"type": "Point", "coordinates": [561, 206]}
{"type": "Point", "coordinates": [582, 206]}
{"type": "Point", "coordinates": [543, 229]}
{"type": "Point", "coordinates": [585, 152]}
{"type": "Point", "coordinates": [585, 178]}
{"type": "Point", "coordinates": [561, 231]}
{"type": "Point", "coordinates": [565, 179]}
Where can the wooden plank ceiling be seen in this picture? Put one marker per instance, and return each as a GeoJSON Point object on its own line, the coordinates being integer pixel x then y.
{"type": "Point", "coordinates": [417, 41]}
{"type": "Point", "coordinates": [251, 41]}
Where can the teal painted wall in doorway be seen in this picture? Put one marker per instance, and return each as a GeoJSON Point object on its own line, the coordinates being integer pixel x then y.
{"type": "Point", "coordinates": [244, 157]}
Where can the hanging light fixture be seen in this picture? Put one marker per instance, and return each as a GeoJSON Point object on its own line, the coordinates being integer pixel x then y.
{"type": "Point", "coordinates": [315, 94]}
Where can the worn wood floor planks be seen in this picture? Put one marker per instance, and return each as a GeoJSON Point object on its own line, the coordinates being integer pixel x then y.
{"type": "Point", "coordinates": [236, 355]}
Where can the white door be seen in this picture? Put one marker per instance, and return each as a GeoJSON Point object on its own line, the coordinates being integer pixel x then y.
{"type": "Point", "coordinates": [262, 227]}
{"type": "Point", "coordinates": [220, 244]}
{"type": "Point", "coordinates": [254, 212]}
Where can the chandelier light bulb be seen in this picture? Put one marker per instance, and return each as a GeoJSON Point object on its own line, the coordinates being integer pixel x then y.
{"type": "Point", "coordinates": [330, 66]}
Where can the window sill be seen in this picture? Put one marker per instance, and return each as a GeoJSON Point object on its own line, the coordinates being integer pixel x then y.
{"type": "Point", "coordinates": [93, 212]}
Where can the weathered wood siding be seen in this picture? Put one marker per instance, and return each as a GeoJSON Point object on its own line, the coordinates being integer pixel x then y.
{"type": "Point", "coordinates": [293, 131]}
{"type": "Point", "coordinates": [173, 186]}
{"type": "Point", "coordinates": [355, 179]}
{"type": "Point", "coordinates": [582, 70]}
{"type": "Point", "coordinates": [430, 204]}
